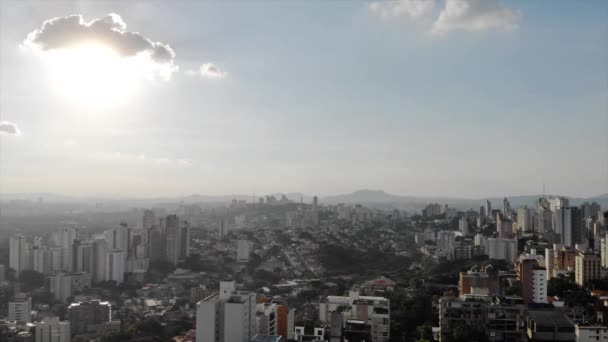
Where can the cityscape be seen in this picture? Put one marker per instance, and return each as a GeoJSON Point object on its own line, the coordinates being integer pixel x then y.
{"type": "Point", "coordinates": [303, 171]}
{"type": "Point", "coordinates": [287, 270]}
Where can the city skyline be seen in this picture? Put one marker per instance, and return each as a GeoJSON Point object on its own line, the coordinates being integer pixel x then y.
{"type": "Point", "coordinates": [419, 98]}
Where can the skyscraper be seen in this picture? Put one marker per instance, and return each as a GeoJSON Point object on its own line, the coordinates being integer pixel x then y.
{"type": "Point", "coordinates": [115, 265]}
{"type": "Point", "coordinates": [563, 225]}
{"type": "Point", "coordinates": [155, 244]}
{"type": "Point", "coordinates": [100, 249]}
{"type": "Point", "coordinates": [525, 219]}
{"type": "Point", "coordinates": [463, 226]}
{"type": "Point", "coordinates": [506, 207]}
{"type": "Point", "coordinates": [117, 238]}
{"type": "Point", "coordinates": [544, 220]}
{"type": "Point", "coordinates": [149, 219]}
{"type": "Point", "coordinates": [489, 210]}
{"type": "Point", "coordinates": [184, 240]}
{"type": "Point", "coordinates": [19, 258]}
{"type": "Point", "coordinates": [223, 227]}
{"type": "Point", "coordinates": [172, 239]}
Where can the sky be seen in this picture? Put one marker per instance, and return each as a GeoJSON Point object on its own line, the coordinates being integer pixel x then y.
{"type": "Point", "coordinates": [460, 98]}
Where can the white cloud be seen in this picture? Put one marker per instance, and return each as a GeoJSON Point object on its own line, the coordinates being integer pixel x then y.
{"type": "Point", "coordinates": [9, 128]}
{"type": "Point", "coordinates": [145, 160]}
{"type": "Point", "coordinates": [111, 31]}
{"type": "Point", "coordinates": [210, 70]}
{"type": "Point", "coordinates": [412, 9]}
{"type": "Point", "coordinates": [475, 15]}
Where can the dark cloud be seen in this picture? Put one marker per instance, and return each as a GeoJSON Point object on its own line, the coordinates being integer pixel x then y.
{"type": "Point", "coordinates": [9, 128]}
{"type": "Point", "coordinates": [65, 32]}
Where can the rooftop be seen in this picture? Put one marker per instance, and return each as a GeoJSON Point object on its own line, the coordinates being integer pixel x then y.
{"type": "Point", "coordinates": [549, 318]}
{"type": "Point", "coordinates": [266, 338]}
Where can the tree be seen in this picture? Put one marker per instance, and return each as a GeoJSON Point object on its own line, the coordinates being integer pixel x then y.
{"type": "Point", "coordinates": [31, 280]}
{"type": "Point", "coordinates": [148, 327]}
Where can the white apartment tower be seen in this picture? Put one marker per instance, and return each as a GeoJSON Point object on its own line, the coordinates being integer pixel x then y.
{"type": "Point", "coordinates": [539, 285]}
{"type": "Point", "coordinates": [227, 317]}
{"type": "Point", "coordinates": [115, 266]}
{"type": "Point", "coordinates": [20, 308]}
{"type": "Point", "coordinates": [51, 329]}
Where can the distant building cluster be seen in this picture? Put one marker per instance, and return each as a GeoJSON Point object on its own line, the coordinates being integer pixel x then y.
{"type": "Point", "coordinates": [278, 270]}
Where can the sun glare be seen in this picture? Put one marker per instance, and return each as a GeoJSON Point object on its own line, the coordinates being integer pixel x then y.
{"type": "Point", "coordinates": [92, 74]}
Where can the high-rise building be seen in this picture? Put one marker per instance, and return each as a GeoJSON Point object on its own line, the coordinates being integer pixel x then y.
{"type": "Point", "coordinates": [563, 225]}
{"type": "Point", "coordinates": [155, 244]}
{"type": "Point", "coordinates": [149, 219]}
{"type": "Point", "coordinates": [80, 281]}
{"type": "Point", "coordinates": [19, 254]}
{"type": "Point", "coordinates": [463, 226]}
{"type": "Point", "coordinates": [506, 207]}
{"type": "Point", "coordinates": [504, 227]}
{"type": "Point", "coordinates": [117, 238]}
{"type": "Point", "coordinates": [476, 280]}
{"type": "Point", "coordinates": [184, 241]}
{"type": "Point", "coordinates": [86, 315]}
{"type": "Point", "coordinates": [544, 221]}
{"type": "Point", "coordinates": [223, 227]}
{"type": "Point", "coordinates": [51, 329]}
{"type": "Point", "coordinates": [285, 321]}
{"type": "Point", "coordinates": [209, 320]}
{"type": "Point", "coordinates": [227, 317]}
{"type": "Point", "coordinates": [198, 293]}
{"type": "Point", "coordinates": [242, 250]}
{"type": "Point", "coordinates": [20, 308]}
{"type": "Point", "coordinates": [172, 239]}
{"type": "Point", "coordinates": [2, 273]}
{"type": "Point", "coordinates": [604, 251]}
{"type": "Point", "coordinates": [39, 262]}
{"type": "Point", "coordinates": [502, 249]}
{"type": "Point", "coordinates": [267, 319]}
{"type": "Point", "coordinates": [115, 265]}
{"type": "Point", "coordinates": [550, 262]}
{"type": "Point", "coordinates": [482, 212]}
{"type": "Point", "coordinates": [558, 202]}
{"type": "Point", "coordinates": [60, 286]}
{"type": "Point", "coordinates": [525, 219]}
{"type": "Point", "coordinates": [489, 210]}
{"type": "Point", "coordinates": [100, 249]}
{"type": "Point", "coordinates": [372, 315]}
{"type": "Point", "coordinates": [588, 267]}
{"type": "Point", "coordinates": [533, 281]}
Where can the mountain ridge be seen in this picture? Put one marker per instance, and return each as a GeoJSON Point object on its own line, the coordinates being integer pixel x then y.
{"type": "Point", "coordinates": [367, 197]}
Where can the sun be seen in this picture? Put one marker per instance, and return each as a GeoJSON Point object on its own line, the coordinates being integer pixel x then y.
{"type": "Point", "coordinates": [92, 74]}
